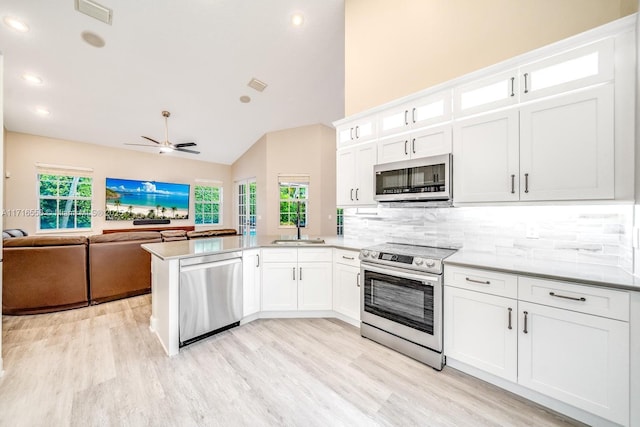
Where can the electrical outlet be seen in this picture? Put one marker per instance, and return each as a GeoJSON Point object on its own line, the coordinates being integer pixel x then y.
{"type": "Point", "coordinates": [532, 231]}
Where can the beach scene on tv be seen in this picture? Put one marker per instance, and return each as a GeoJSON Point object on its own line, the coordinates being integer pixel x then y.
{"type": "Point", "coordinates": [128, 199]}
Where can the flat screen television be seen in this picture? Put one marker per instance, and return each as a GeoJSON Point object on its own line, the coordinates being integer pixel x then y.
{"type": "Point", "coordinates": [128, 199]}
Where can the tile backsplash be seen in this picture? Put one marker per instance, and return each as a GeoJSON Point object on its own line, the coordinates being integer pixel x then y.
{"type": "Point", "coordinates": [598, 234]}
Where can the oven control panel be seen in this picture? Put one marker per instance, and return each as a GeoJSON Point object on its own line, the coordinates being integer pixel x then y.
{"type": "Point", "coordinates": [391, 258]}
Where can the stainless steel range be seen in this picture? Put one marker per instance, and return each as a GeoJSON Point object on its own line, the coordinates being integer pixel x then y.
{"type": "Point", "coordinates": [401, 299]}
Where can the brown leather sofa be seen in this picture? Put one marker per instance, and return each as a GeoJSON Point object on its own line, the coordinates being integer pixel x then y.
{"type": "Point", "coordinates": [173, 235]}
{"type": "Point", "coordinates": [197, 234]}
{"type": "Point", "coordinates": [42, 274]}
{"type": "Point", "coordinates": [118, 266]}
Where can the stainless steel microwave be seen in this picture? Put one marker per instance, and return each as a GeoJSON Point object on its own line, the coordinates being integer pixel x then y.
{"type": "Point", "coordinates": [424, 179]}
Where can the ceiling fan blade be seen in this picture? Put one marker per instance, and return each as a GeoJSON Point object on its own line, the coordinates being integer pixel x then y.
{"type": "Point", "coordinates": [187, 151]}
{"type": "Point", "coordinates": [141, 145]}
{"type": "Point", "coordinates": [185, 144]}
{"type": "Point", "coordinates": [152, 140]}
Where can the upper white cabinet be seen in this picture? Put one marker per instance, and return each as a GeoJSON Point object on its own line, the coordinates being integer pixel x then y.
{"type": "Point", "coordinates": [431, 141]}
{"type": "Point", "coordinates": [490, 93]}
{"type": "Point", "coordinates": [360, 130]}
{"type": "Point", "coordinates": [419, 113]}
{"type": "Point", "coordinates": [354, 175]}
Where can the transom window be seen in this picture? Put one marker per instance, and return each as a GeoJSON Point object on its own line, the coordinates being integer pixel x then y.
{"type": "Point", "coordinates": [208, 204]}
{"type": "Point", "coordinates": [64, 201]}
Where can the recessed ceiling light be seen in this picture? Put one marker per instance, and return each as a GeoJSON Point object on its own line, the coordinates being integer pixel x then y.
{"type": "Point", "coordinates": [297, 19]}
{"type": "Point", "coordinates": [16, 24]}
{"type": "Point", "coordinates": [92, 38]}
{"type": "Point", "coordinates": [42, 111]}
{"type": "Point", "coordinates": [32, 78]}
{"type": "Point", "coordinates": [245, 99]}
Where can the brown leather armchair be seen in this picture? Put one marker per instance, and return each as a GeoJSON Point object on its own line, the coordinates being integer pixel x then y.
{"type": "Point", "coordinates": [118, 266]}
{"type": "Point", "coordinates": [42, 274]}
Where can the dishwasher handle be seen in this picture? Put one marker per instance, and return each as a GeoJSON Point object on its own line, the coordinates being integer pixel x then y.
{"type": "Point", "coordinates": [210, 264]}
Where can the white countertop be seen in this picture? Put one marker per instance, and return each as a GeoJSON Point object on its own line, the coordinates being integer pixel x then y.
{"type": "Point", "coordinates": [207, 246]}
{"type": "Point", "coordinates": [593, 274]}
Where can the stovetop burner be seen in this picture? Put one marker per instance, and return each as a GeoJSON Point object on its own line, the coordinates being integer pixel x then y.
{"type": "Point", "coordinates": [414, 257]}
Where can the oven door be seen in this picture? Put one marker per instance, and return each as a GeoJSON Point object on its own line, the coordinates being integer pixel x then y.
{"type": "Point", "coordinates": [406, 304]}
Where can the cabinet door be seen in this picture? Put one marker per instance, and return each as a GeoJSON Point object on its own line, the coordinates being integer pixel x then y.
{"type": "Point", "coordinates": [365, 159]}
{"type": "Point", "coordinates": [485, 156]}
{"type": "Point", "coordinates": [279, 286]}
{"type": "Point", "coordinates": [346, 290]}
{"type": "Point", "coordinates": [415, 114]}
{"type": "Point", "coordinates": [432, 141]}
{"type": "Point", "coordinates": [567, 147]}
{"type": "Point", "coordinates": [499, 90]}
{"type": "Point", "coordinates": [345, 177]}
{"type": "Point", "coordinates": [393, 149]}
{"type": "Point", "coordinates": [577, 358]}
{"type": "Point", "coordinates": [314, 286]}
{"type": "Point", "coordinates": [250, 282]}
{"type": "Point", "coordinates": [360, 130]}
{"type": "Point", "coordinates": [481, 330]}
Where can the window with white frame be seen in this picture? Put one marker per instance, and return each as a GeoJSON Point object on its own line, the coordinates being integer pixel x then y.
{"type": "Point", "coordinates": [340, 221]}
{"type": "Point", "coordinates": [64, 199]}
{"type": "Point", "coordinates": [208, 203]}
{"type": "Point", "coordinates": [294, 199]}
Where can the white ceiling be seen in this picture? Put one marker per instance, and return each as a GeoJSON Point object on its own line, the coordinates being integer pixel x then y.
{"type": "Point", "coordinates": [193, 58]}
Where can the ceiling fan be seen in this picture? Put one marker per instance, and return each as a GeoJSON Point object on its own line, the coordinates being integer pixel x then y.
{"type": "Point", "coordinates": [166, 146]}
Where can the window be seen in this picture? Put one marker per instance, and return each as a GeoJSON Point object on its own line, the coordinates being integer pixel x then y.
{"type": "Point", "coordinates": [294, 197]}
{"type": "Point", "coordinates": [208, 204]}
{"type": "Point", "coordinates": [247, 207]}
{"type": "Point", "coordinates": [340, 221]}
{"type": "Point", "coordinates": [64, 201]}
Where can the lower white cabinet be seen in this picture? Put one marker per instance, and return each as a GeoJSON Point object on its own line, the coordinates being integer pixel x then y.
{"type": "Point", "coordinates": [564, 340]}
{"type": "Point", "coordinates": [481, 330]}
{"type": "Point", "coordinates": [296, 279]}
{"type": "Point", "coordinates": [346, 284]}
{"type": "Point", "coordinates": [250, 282]}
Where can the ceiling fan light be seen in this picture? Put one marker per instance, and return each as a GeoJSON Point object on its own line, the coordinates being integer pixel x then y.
{"type": "Point", "coordinates": [166, 149]}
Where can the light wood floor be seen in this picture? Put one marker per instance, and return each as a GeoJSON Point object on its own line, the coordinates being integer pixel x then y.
{"type": "Point", "coordinates": [101, 366]}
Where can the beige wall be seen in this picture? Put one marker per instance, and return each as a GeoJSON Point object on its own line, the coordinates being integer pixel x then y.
{"type": "Point", "coordinates": [304, 150]}
{"type": "Point", "coordinates": [397, 47]}
{"type": "Point", "coordinates": [23, 151]}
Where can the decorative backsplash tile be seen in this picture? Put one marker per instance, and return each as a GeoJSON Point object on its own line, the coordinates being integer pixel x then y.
{"type": "Point", "coordinates": [599, 234]}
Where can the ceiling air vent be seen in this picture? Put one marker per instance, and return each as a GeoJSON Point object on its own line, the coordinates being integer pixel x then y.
{"type": "Point", "coordinates": [94, 10]}
{"type": "Point", "coordinates": [257, 84]}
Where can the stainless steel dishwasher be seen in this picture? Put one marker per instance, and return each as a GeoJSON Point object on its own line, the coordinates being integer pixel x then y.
{"type": "Point", "coordinates": [210, 295]}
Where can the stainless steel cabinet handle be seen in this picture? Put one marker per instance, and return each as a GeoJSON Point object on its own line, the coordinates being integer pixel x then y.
{"type": "Point", "coordinates": [406, 153]}
{"type": "Point", "coordinates": [357, 132]}
{"type": "Point", "coordinates": [413, 115]}
{"type": "Point", "coordinates": [258, 260]}
{"type": "Point", "coordinates": [526, 87]}
{"type": "Point", "coordinates": [294, 273]}
{"type": "Point", "coordinates": [512, 86]}
{"type": "Point", "coordinates": [351, 195]}
{"type": "Point", "coordinates": [486, 282]}
{"type": "Point", "coordinates": [406, 120]}
{"type": "Point", "coordinates": [526, 182]}
{"type": "Point", "coordinates": [348, 257]}
{"type": "Point", "coordinates": [526, 315]}
{"type": "Point", "coordinates": [513, 184]}
{"type": "Point", "coordinates": [300, 277]}
{"type": "Point", "coordinates": [553, 294]}
{"type": "Point", "coordinates": [358, 280]}
{"type": "Point", "coordinates": [413, 146]}
{"type": "Point", "coordinates": [510, 310]}
{"type": "Point", "coordinates": [357, 193]}
{"type": "Point", "coordinates": [351, 133]}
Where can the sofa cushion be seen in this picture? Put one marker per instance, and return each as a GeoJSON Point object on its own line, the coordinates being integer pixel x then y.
{"type": "Point", "coordinates": [13, 232]}
{"type": "Point", "coordinates": [31, 241]}
{"type": "Point", "coordinates": [173, 235]}
{"type": "Point", "coordinates": [125, 236]}
{"type": "Point", "coordinates": [211, 233]}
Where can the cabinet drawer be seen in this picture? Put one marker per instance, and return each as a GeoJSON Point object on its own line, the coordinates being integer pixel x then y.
{"type": "Point", "coordinates": [486, 281]}
{"type": "Point", "coordinates": [315, 255]}
{"type": "Point", "coordinates": [572, 296]}
{"type": "Point", "coordinates": [280, 255]}
{"type": "Point", "coordinates": [342, 256]}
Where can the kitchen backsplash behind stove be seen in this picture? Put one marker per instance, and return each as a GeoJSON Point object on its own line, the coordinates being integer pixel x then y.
{"type": "Point", "coordinates": [598, 234]}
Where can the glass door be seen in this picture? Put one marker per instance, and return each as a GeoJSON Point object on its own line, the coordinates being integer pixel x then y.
{"type": "Point", "coordinates": [247, 207]}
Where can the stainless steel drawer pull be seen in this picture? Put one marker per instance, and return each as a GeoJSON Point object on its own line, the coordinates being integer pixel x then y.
{"type": "Point", "coordinates": [526, 182]}
{"type": "Point", "coordinates": [512, 86]}
{"type": "Point", "coordinates": [294, 273]}
{"type": "Point", "coordinates": [358, 280]}
{"type": "Point", "coordinates": [526, 314]}
{"type": "Point", "coordinates": [357, 132]}
{"type": "Point", "coordinates": [300, 273]}
{"type": "Point", "coordinates": [510, 310]}
{"type": "Point", "coordinates": [513, 184]}
{"type": "Point", "coordinates": [406, 120]}
{"type": "Point", "coordinates": [413, 146]}
{"type": "Point", "coordinates": [351, 195]}
{"type": "Point", "coordinates": [486, 282]}
{"type": "Point", "coordinates": [413, 114]}
{"type": "Point", "coordinates": [351, 133]}
{"type": "Point", "coordinates": [406, 153]}
{"type": "Point", "coordinates": [348, 257]}
{"type": "Point", "coordinates": [357, 193]}
{"type": "Point", "coordinates": [526, 88]}
{"type": "Point", "coordinates": [258, 260]}
{"type": "Point", "coordinates": [553, 294]}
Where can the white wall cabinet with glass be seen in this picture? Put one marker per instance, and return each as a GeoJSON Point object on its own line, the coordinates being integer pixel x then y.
{"type": "Point", "coordinates": [346, 285]}
{"type": "Point", "coordinates": [424, 111]}
{"type": "Point", "coordinates": [250, 282]}
{"type": "Point", "coordinates": [431, 141]}
{"type": "Point", "coordinates": [356, 131]}
{"type": "Point", "coordinates": [571, 344]}
{"type": "Point", "coordinates": [296, 279]}
{"type": "Point", "coordinates": [354, 175]}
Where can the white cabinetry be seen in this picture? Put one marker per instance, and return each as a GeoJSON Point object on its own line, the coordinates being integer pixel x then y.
{"type": "Point", "coordinates": [489, 93]}
{"type": "Point", "coordinates": [360, 130]}
{"type": "Point", "coordinates": [346, 284]}
{"type": "Point", "coordinates": [354, 179]}
{"type": "Point", "coordinates": [296, 279]}
{"type": "Point", "coordinates": [430, 141]}
{"type": "Point", "coordinates": [250, 282]}
{"type": "Point", "coordinates": [421, 112]}
{"type": "Point", "coordinates": [571, 344]}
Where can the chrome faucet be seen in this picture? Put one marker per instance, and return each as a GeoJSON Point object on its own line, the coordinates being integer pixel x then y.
{"type": "Point", "coordinates": [298, 218]}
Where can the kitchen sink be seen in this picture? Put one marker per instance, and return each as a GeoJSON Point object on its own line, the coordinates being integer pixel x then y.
{"type": "Point", "coordinates": [298, 241]}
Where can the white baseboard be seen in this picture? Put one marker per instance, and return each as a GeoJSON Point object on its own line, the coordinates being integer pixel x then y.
{"type": "Point", "coordinates": [153, 323]}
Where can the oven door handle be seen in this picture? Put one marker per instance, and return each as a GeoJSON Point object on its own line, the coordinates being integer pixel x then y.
{"type": "Point", "coordinates": [396, 272]}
